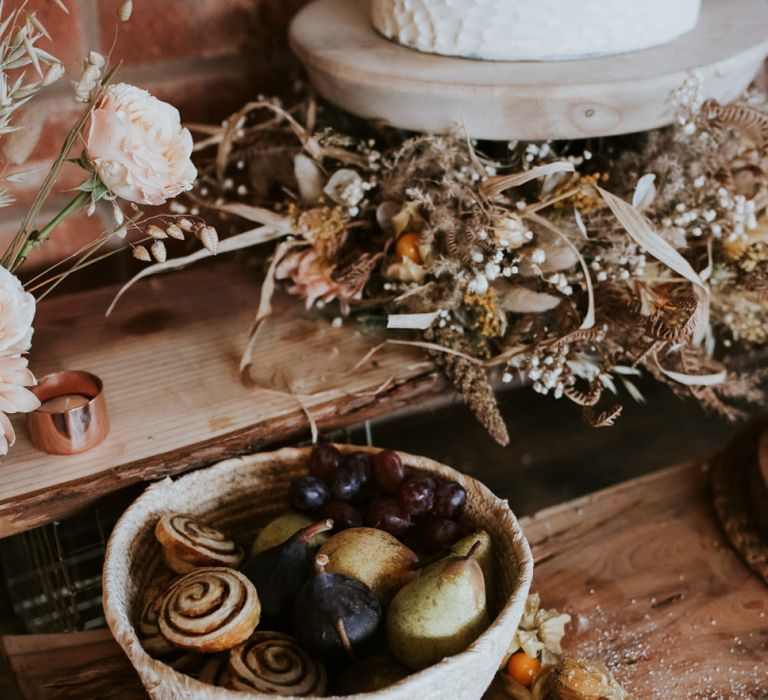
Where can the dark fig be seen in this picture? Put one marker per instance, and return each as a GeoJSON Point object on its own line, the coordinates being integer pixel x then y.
{"type": "Point", "coordinates": [335, 614]}
{"type": "Point", "coordinates": [279, 572]}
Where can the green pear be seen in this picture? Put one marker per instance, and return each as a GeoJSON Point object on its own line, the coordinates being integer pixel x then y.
{"type": "Point", "coordinates": [372, 556]}
{"type": "Point", "coordinates": [483, 556]}
{"type": "Point", "coordinates": [281, 528]}
{"type": "Point", "coordinates": [440, 613]}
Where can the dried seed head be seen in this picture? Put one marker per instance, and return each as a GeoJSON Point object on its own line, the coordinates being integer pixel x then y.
{"type": "Point", "coordinates": [53, 74]}
{"type": "Point", "coordinates": [141, 253]}
{"type": "Point", "coordinates": [175, 232]}
{"type": "Point", "coordinates": [117, 214]}
{"type": "Point", "coordinates": [209, 238]}
{"type": "Point", "coordinates": [96, 59]}
{"type": "Point", "coordinates": [125, 10]}
{"type": "Point", "coordinates": [158, 251]}
{"type": "Point", "coordinates": [121, 231]}
{"type": "Point", "coordinates": [91, 208]}
{"type": "Point", "coordinates": [186, 225]}
{"type": "Point", "coordinates": [156, 232]}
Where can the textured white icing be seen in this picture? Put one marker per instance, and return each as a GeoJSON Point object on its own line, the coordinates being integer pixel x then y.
{"type": "Point", "coordinates": [533, 29]}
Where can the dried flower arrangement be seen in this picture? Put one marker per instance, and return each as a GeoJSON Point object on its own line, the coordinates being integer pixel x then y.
{"type": "Point", "coordinates": [573, 266]}
{"type": "Point", "coordinates": [133, 149]}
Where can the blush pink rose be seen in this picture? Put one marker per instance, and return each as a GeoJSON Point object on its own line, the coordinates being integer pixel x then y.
{"type": "Point", "coordinates": [138, 147]}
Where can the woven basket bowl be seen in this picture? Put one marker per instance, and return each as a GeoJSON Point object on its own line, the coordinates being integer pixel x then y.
{"type": "Point", "coordinates": [239, 496]}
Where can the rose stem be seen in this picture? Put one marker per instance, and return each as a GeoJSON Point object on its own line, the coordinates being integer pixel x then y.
{"type": "Point", "coordinates": [38, 236]}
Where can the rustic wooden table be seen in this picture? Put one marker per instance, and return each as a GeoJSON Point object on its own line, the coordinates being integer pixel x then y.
{"type": "Point", "coordinates": [642, 567]}
{"type": "Point", "coordinates": [169, 358]}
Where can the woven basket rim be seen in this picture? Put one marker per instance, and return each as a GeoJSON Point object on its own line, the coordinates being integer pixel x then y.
{"type": "Point", "coordinates": [118, 554]}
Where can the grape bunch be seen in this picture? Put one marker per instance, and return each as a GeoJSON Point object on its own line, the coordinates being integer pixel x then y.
{"type": "Point", "coordinates": [378, 491]}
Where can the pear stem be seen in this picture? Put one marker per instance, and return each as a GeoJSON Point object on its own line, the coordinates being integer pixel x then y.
{"type": "Point", "coordinates": [473, 550]}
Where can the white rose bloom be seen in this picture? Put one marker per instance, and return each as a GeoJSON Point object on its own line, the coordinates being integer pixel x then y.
{"type": "Point", "coordinates": [138, 147]}
{"type": "Point", "coordinates": [14, 397]}
{"type": "Point", "coordinates": [17, 311]}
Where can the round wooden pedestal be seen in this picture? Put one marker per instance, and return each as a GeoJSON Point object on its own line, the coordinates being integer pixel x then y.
{"type": "Point", "coordinates": [357, 69]}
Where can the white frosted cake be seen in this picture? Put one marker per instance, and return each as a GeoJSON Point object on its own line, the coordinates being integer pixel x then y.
{"type": "Point", "coordinates": [533, 30]}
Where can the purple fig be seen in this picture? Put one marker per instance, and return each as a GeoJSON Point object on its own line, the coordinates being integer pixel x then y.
{"type": "Point", "coordinates": [335, 614]}
{"type": "Point", "coordinates": [279, 572]}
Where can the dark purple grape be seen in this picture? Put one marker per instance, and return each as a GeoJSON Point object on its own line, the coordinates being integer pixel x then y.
{"type": "Point", "coordinates": [388, 471]}
{"type": "Point", "coordinates": [324, 460]}
{"type": "Point", "coordinates": [440, 533]}
{"type": "Point", "coordinates": [343, 515]}
{"type": "Point", "coordinates": [388, 515]}
{"type": "Point", "coordinates": [417, 495]}
{"type": "Point", "coordinates": [308, 494]}
{"type": "Point", "coordinates": [450, 499]}
{"type": "Point", "coordinates": [346, 483]}
{"type": "Point", "coordinates": [360, 462]}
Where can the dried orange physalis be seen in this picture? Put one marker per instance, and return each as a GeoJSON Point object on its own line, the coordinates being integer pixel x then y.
{"type": "Point", "coordinates": [407, 246]}
{"type": "Point", "coordinates": [523, 668]}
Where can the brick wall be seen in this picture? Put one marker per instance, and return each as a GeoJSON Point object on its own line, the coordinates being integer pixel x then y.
{"type": "Point", "coordinates": [205, 56]}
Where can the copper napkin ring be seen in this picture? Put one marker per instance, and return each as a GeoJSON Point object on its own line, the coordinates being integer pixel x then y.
{"type": "Point", "coordinates": [69, 430]}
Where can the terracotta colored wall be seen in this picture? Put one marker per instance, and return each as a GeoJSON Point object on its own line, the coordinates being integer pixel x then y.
{"type": "Point", "coordinates": [205, 56]}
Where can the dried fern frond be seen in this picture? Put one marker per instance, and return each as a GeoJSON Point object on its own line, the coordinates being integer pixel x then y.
{"type": "Point", "coordinates": [674, 326]}
{"type": "Point", "coordinates": [605, 419]}
{"type": "Point", "coordinates": [587, 398]}
{"type": "Point", "coordinates": [750, 121]}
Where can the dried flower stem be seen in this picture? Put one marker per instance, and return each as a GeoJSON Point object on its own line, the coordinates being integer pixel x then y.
{"type": "Point", "coordinates": [12, 258]}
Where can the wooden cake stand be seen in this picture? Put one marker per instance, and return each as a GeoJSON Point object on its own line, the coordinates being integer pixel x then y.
{"type": "Point", "coordinates": [357, 69]}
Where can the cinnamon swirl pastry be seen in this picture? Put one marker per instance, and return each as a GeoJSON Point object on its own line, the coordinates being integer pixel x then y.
{"type": "Point", "coordinates": [189, 544]}
{"type": "Point", "coordinates": [209, 610]}
{"type": "Point", "coordinates": [214, 672]}
{"type": "Point", "coordinates": [273, 663]}
{"type": "Point", "coordinates": [149, 633]}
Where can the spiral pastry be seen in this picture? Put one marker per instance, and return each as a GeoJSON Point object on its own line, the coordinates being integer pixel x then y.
{"type": "Point", "coordinates": [149, 633]}
{"type": "Point", "coordinates": [273, 663]}
{"type": "Point", "coordinates": [209, 610]}
{"type": "Point", "coordinates": [189, 544]}
{"type": "Point", "coordinates": [214, 672]}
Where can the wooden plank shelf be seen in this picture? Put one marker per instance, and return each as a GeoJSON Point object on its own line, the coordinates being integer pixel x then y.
{"type": "Point", "coordinates": [642, 567]}
{"type": "Point", "coordinates": [169, 357]}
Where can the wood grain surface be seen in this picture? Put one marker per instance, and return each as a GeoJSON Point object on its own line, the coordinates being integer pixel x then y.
{"type": "Point", "coordinates": [642, 567]}
{"type": "Point", "coordinates": [360, 71]}
{"type": "Point", "coordinates": [169, 358]}
{"type": "Point", "coordinates": [654, 589]}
